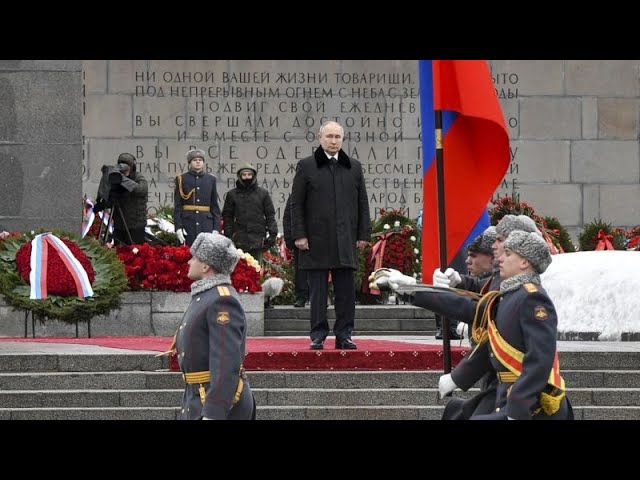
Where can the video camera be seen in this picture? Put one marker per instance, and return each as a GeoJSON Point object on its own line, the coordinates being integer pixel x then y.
{"type": "Point", "coordinates": [114, 178]}
{"type": "Point", "coordinates": [115, 172]}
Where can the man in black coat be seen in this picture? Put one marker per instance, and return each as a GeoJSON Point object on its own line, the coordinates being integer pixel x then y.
{"type": "Point", "coordinates": [330, 220]}
{"type": "Point", "coordinates": [248, 214]}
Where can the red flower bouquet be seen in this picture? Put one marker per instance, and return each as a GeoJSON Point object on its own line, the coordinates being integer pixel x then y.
{"type": "Point", "coordinates": [151, 267]}
{"type": "Point", "coordinates": [165, 268]}
{"type": "Point", "coordinates": [246, 276]}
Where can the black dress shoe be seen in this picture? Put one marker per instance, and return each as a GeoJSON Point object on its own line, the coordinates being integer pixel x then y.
{"type": "Point", "coordinates": [345, 344]}
{"type": "Point", "coordinates": [439, 334]}
{"type": "Point", "coordinates": [299, 303]}
{"type": "Point", "coordinates": [316, 344]}
{"type": "Point", "coordinates": [455, 336]}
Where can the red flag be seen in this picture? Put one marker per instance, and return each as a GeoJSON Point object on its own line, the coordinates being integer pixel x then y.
{"type": "Point", "coordinates": [475, 151]}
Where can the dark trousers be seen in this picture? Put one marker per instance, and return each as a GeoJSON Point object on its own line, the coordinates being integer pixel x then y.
{"type": "Point", "coordinates": [120, 236]}
{"type": "Point", "coordinates": [344, 302]}
{"type": "Point", "coordinates": [301, 280]}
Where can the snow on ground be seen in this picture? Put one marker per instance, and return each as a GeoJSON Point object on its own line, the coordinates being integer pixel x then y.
{"type": "Point", "coordinates": [596, 291]}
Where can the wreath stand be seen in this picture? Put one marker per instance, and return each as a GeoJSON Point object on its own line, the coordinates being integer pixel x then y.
{"type": "Point", "coordinates": [33, 325]}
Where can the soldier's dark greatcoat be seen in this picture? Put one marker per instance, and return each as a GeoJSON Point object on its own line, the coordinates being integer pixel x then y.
{"type": "Point", "coordinates": [212, 338]}
{"type": "Point", "coordinates": [527, 320]}
{"type": "Point", "coordinates": [196, 190]}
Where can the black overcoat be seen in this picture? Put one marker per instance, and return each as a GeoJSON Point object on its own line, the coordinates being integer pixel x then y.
{"type": "Point", "coordinates": [330, 208]}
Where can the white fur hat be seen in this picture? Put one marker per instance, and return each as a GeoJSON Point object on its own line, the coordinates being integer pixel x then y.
{"type": "Point", "coordinates": [217, 251]}
{"type": "Point", "coordinates": [483, 242]}
{"type": "Point", "coordinates": [197, 153]}
{"type": "Point", "coordinates": [530, 246]}
{"type": "Point", "coordinates": [509, 223]}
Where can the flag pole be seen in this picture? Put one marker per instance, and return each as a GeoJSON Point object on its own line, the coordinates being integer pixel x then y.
{"type": "Point", "coordinates": [442, 234]}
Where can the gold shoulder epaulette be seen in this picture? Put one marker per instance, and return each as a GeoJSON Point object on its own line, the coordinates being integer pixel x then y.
{"type": "Point", "coordinates": [223, 291]}
{"type": "Point", "coordinates": [529, 287]}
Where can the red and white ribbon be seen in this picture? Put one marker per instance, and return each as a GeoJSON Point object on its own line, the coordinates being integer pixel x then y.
{"type": "Point", "coordinates": [89, 216]}
{"type": "Point", "coordinates": [47, 244]}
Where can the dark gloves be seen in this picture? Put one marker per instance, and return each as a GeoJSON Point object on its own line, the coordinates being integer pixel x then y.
{"type": "Point", "coordinates": [98, 207]}
{"type": "Point", "coordinates": [270, 241]}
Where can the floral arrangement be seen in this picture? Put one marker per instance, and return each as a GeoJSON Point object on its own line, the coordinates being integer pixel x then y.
{"type": "Point", "coordinates": [278, 262]}
{"type": "Point", "coordinates": [162, 227]}
{"type": "Point", "coordinates": [555, 229]}
{"type": "Point", "coordinates": [104, 271]}
{"type": "Point", "coordinates": [150, 267]}
{"type": "Point", "coordinates": [165, 268]}
{"type": "Point", "coordinates": [555, 234]}
{"type": "Point", "coordinates": [600, 235]}
{"type": "Point", "coordinates": [633, 239]}
{"type": "Point", "coordinates": [394, 244]}
{"type": "Point", "coordinates": [59, 280]}
{"type": "Point", "coordinates": [245, 278]}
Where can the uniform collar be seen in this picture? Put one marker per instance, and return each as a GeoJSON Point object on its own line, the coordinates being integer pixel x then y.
{"type": "Point", "coordinates": [208, 283]}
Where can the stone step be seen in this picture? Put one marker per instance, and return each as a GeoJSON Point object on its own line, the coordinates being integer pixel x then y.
{"type": "Point", "coordinates": [411, 412]}
{"type": "Point", "coordinates": [288, 397]}
{"type": "Point", "coordinates": [416, 412]}
{"type": "Point", "coordinates": [139, 413]}
{"type": "Point", "coordinates": [399, 326]}
{"type": "Point", "coordinates": [162, 380]}
{"type": "Point", "coordinates": [356, 333]}
{"type": "Point", "coordinates": [362, 312]}
{"type": "Point", "coordinates": [421, 396]}
{"type": "Point", "coordinates": [90, 381]}
{"type": "Point", "coordinates": [422, 379]}
{"type": "Point", "coordinates": [82, 362]}
{"type": "Point", "coordinates": [91, 398]}
{"type": "Point", "coordinates": [146, 361]}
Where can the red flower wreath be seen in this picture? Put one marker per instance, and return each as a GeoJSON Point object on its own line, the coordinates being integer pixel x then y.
{"type": "Point", "coordinates": [59, 280]}
{"type": "Point", "coordinates": [245, 278]}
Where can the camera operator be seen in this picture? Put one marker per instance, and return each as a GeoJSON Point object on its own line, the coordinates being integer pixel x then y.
{"type": "Point", "coordinates": [128, 194]}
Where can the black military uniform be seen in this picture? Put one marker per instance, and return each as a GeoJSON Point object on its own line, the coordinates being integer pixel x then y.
{"type": "Point", "coordinates": [196, 206]}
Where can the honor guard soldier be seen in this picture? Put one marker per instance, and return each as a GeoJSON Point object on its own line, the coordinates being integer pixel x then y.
{"type": "Point", "coordinates": [210, 343]}
{"type": "Point", "coordinates": [195, 197]}
{"type": "Point", "coordinates": [515, 330]}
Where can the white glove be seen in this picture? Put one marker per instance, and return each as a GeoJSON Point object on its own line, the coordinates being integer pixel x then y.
{"type": "Point", "coordinates": [181, 233]}
{"type": "Point", "coordinates": [462, 328]}
{"type": "Point", "coordinates": [446, 385]}
{"type": "Point", "coordinates": [391, 278]}
{"type": "Point", "coordinates": [450, 278]}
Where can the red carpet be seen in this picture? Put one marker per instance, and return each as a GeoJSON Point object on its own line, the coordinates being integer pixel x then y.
{"type": "Point", "coordinates": [277, 353]}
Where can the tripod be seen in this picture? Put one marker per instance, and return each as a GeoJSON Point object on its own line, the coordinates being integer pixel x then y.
{"type": "Point", "coordinates": [112, 211]}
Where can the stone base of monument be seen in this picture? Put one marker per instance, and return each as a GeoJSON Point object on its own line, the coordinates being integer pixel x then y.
{"type": "Point", "coordinates": [141, 313]}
